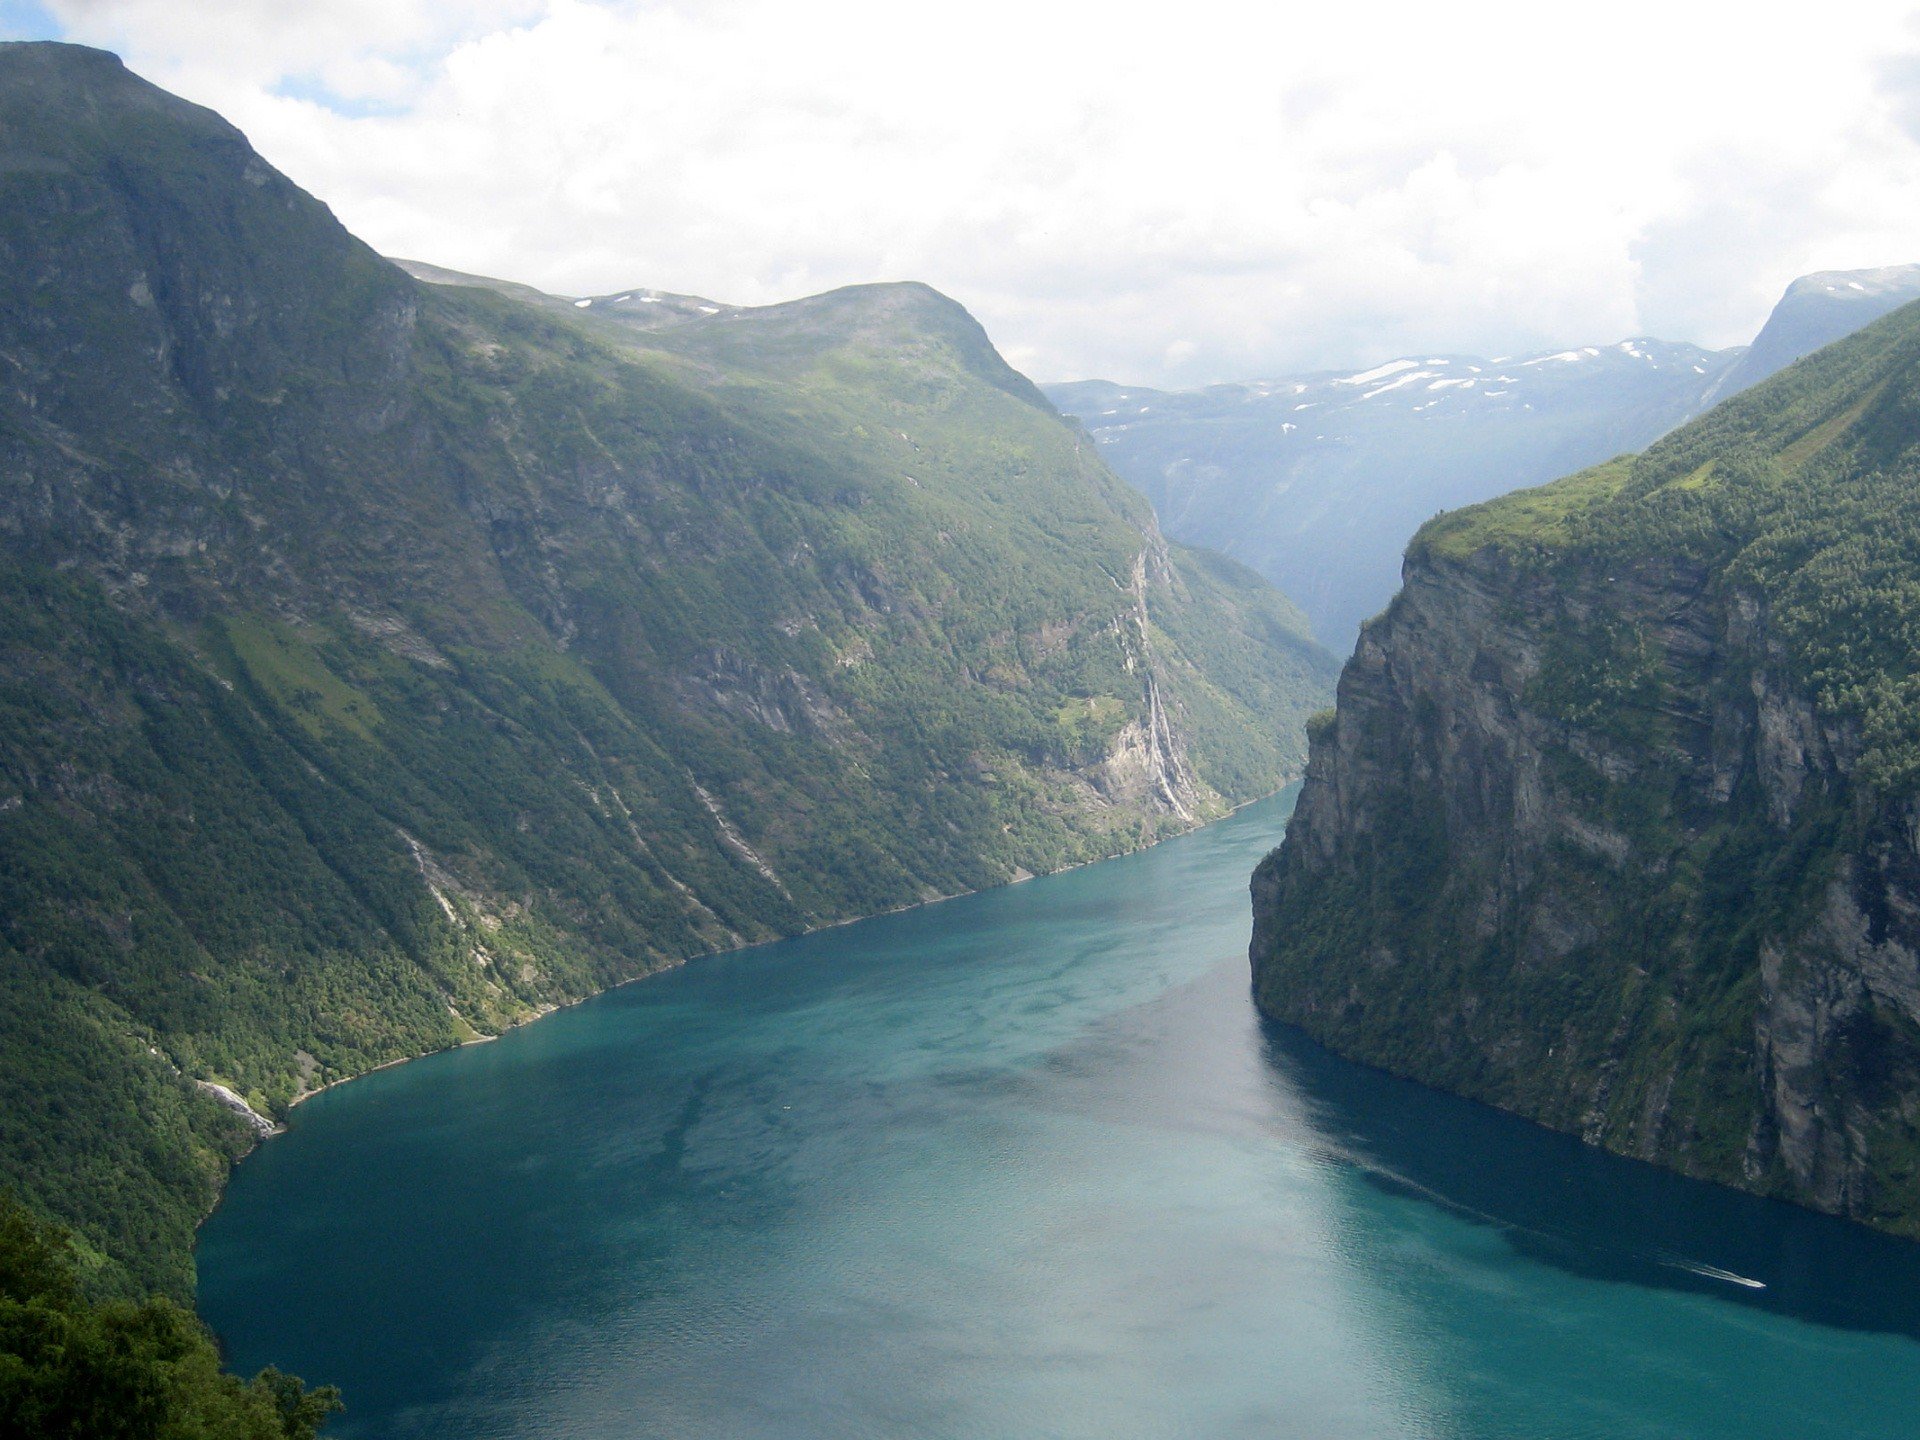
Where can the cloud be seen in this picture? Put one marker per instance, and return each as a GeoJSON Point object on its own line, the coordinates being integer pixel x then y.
{"type": "Point", "coordinates": [1212, 192]}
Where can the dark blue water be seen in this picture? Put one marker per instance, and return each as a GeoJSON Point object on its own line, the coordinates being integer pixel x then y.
{"type": "Point", "coordinates": [1024, 1164]}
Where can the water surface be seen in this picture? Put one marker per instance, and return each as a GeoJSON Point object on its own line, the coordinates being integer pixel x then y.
{"type": "Point", "coordinates": [1024, 1164]}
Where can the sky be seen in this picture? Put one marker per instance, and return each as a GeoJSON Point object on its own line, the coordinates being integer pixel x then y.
{"type": "Point", "coordinates": [1169, 194]}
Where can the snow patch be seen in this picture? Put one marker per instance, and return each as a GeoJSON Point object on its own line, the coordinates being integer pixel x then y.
{"type": "Point", "coordinates": [581, 304]}
{"type": "Point", "coordinates": [1396, 384]}
{"type": "Point", "coordinates": [1379, 372]}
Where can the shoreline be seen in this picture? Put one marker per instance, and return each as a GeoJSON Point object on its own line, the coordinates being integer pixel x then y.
{"type": "Point", "coordinates": [280, 1126]}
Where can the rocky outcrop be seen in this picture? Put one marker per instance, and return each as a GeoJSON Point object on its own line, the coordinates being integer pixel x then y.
{"type": "Point", "coordinates": [1578, 845]}
{"type": "Point", "coordinates": [230, 1099]}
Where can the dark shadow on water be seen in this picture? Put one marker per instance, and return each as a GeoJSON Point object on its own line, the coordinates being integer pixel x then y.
{"type": "Point", "coordinates": [1599, 1215]}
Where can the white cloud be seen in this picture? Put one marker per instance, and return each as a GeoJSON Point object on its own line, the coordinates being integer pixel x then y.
{"type": "Point", "coordinates": [1176, 195]}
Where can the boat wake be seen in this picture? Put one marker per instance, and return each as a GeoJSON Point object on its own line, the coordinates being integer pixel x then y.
{"type": "Point", "coordinates": [1714, 1272]}
{"type": "Point", "coordinates": [1353, 1155]}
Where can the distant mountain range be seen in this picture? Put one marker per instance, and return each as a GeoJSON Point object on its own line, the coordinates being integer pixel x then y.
{"type": "Point", "coordinates": [1318, 480]}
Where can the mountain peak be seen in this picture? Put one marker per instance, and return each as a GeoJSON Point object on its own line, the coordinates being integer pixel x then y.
{"type": "Point", "coordinates": [58, 52]}
{"type": "Point", "coordinates": [206, 291]}
{"type": "Point", "coordinates": [902, 322]}
{"type": "Point", "coordinates": [1857, 286]}
{"type": "Point", "coordinates": [899, 321]}
{"type": "Point", "coordinates": [59, 98]}
{"type": "Point", "coordinates": [25, 57]}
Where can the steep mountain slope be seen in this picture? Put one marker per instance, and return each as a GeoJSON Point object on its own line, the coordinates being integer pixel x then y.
{"type": "Point", "coordinates": [1615, 824]}
{"type": "Point", "coordinates": [1317, 481]}
{"type": "Point", "coordinates": [382, 662]}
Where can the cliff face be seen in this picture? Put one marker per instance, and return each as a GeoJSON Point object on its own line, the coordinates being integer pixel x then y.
{"type": "Point", "coordinates": [1602, 834]}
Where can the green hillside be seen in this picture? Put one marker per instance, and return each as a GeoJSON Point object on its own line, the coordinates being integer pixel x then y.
{"type": "Point", "coordinates": [383, 663]}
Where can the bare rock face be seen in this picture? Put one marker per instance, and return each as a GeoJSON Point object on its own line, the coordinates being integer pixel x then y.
{"type": "Point", "coordinates": [1576, 846]}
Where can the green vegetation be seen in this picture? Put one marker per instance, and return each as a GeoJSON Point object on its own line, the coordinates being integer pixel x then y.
{"type": "Point", "coordinates": [382, 664]}
{"type": "Point", "coordinates": [1535, 524]}
{"type": "Point", "coordinates": [1608, 676]}
{"type": "Point", "coordinates": [74, 1369]}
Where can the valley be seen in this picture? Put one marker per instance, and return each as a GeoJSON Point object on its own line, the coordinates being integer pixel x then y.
{"type": "Point", "coordinates": [1027, 1161]}
{"type": "Point", "coordinates": [997, 972]}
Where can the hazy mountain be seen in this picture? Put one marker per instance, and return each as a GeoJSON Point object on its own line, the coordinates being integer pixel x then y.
{"type": "Point", "coordinates": [1317, 481]}
{"type": "Point", "coordinates": [385, 662]}
{"type": "Point", "coordinates": [1321, 478]}
{"type": "Point", "coordinates": [1817, 310]}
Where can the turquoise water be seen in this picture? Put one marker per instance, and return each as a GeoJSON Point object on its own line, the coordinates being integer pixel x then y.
{"type": "Point", "coordinates": [1024, 1164]}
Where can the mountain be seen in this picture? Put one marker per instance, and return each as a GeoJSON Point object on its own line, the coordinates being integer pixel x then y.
{"type": "Point", "coordinates": [1318, 480]}
{"type": "Point", "coordinates": [1817, 310]}
{"type": "Point", "coordinates": [385, 662]}
{"type": "Point", "coordinates": [1614, 824]}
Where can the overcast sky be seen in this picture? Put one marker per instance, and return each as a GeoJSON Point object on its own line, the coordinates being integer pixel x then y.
{"type": "Point", "coordinates": [1170, 193]}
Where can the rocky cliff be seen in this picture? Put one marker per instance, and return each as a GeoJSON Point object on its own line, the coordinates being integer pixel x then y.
{"type": "Point", "coordinates": [1614, 825]}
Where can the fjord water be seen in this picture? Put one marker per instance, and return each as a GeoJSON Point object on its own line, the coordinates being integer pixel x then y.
{"type": "Point", "coordinates": [1024, 1164]}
